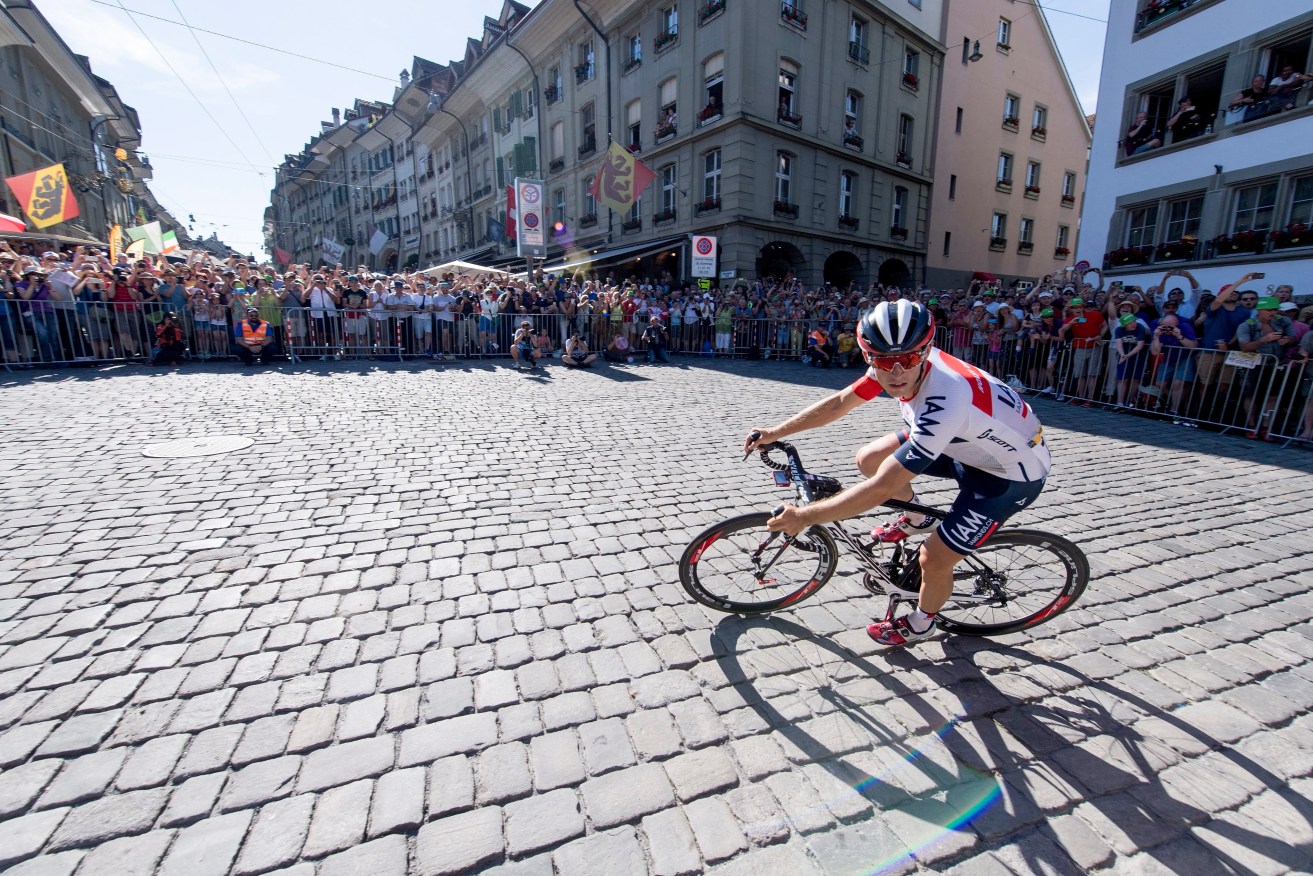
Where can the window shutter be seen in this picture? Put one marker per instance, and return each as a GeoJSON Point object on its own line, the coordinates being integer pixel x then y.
{"type": "Point", "coordinates": [517, 104]}
{"type": "Point", "coordinates": [496, 118]}
{"type": "Point", "coordinates": [501, 172]}
{"type": "Point", "coordinates": [519, 160]}
{"type": "Point", "coordinates": [531, 154]}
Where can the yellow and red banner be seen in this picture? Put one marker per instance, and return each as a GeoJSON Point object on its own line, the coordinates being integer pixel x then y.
{"type": "Point", "coordinates": [621, 179]}
{"type": "Point", "coordinates": [45, 195]}
{"type": "Point", "coordinates": [115, 242]}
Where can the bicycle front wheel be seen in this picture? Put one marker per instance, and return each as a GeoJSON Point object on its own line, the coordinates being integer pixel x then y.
{"type": "Point", "coordinates": [1020, 578]}
{"type": "Point", "coordinates": [739, 567]}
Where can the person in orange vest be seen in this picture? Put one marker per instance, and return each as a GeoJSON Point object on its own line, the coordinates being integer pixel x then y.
{"type": "Point", "coordinates": [820, 348]}
{"type": "Point", "coordinates": [254, 340]}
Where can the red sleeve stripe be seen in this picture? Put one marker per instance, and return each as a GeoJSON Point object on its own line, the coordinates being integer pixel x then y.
{"type": "Point", "coordinates": [866, 387]}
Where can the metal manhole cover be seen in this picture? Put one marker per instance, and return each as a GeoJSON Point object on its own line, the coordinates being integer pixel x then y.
{"type": "Point", "coordinates": [210, 445]}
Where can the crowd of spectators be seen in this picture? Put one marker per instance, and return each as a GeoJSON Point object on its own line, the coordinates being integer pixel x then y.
{"type": "Point", "coordinates": [1236, 359]}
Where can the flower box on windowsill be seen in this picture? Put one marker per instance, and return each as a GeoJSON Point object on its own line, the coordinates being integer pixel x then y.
{"type": "Point", "coordinates": [849, 222]}
{"type": "Point", "coordinates": [1061, 252]}
{"type": "Point", "coordinates": [852, 141]}
{"type": "Point", "coordinates": [998, 244]}
{"type": "Point", "coordinates": [1068, 200]}
{"type": "Point", "coordinates": [897, 232]}
{"type": "Point", "coordinates": [791, 119]}
{"type": "Point", "coordinates": [556, 164]}
{"type": "Point", "coordinates": [583, 72]}
{"type": "Point", "coordinates": [708, 205]}
{"type": "Point", "coordinates": [1032, 192]}
{"type": "Point", "coordinates": [1241, 242]}
{"type": "Point", "coordinates": [1011, 122]}
{"type": "Point", "coordinates": [635, 147]}
{"type": "Point", "coordinates": [1003, 47]}
{"type": "Point", "coordinates": [709, 10]}
{"type": "Point", "coordinates": [1003, 185]}
{"type": "Point", "coordinates": [1039, 132]}
{"type": "Point", "coordinates": [631, 225]}
{"type": "Point", "coordinates": [664, 216]}
{"type": "Point", "coordinates": [1292, 236]}
{"type": "Point", "coordinates": [1025, 247]}
{"type": "Point", "coordinates": [902, 159]}
{"type": "Point", "coordinates": [912, 81]}
{"type": "Point", "coordinates": [551, 94]}
{"type": "Point", "coordinates": [1129, 255]}
{"type": "Point", "coordinates": [784, 208]}
{"type": "Point", "coordinates": [791, 14]}
{"type": "Point", "coordinates": [630, 64]}
{"type": "Point", "coordinates": [709, 115]}
{"type": "Point", "coordinates": [588, 220]}
{"type": "Point", "coordinates": [665, 132]}
{"type": "Point", "coordinates": [665, 39]}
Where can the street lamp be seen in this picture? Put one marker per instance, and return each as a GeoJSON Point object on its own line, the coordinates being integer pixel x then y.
{"type": "Point", "coordinates": [975, 52]}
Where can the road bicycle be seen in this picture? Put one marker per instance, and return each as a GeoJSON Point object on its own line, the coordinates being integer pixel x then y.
{"type": "Point", "coordinates": [1018, 579]}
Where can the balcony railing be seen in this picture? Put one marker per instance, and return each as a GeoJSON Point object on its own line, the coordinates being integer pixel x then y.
{"type": "Point", "coordinates": [784, 208]}
{"type": "Point", "coordinates": [587, 220]}
{"type": "Point", "coordinates": [998, 244]}
{"type": "Point", "coordinates": [709, 114]}
{"type": "Point", "coordinates": [1011, 122]}
{"type": "Point", "coordinates": [784, 117]}
{"type": "Point", "coordinates": [791, 14]}
{"type": "Point", "coordinates": [858, 52]}
{"type": "Point", "coordinates": [1157, 10]}
{"type": "Point", "coordinates": [630, 63]}
{"type": "Point", "coordinates": [852, 141]}
{"type": "Point", "coordinates": [849, 222]}
{"type": "Point", "coordinates": [911, 81]}
{"type": "Point", "coordinates": [665, 39]}
{"type": "Point", "coordinates": [903, 159]}
{"type": "Point", "coordinates": [1026, 247]}
{"type": "Point", "coordinates": [588, 147]}
{"type": "Point", "coordinates": [631, 225]}
{"type": "Point", "coordinates": [552, 94]}
{"type": "Point", "coordinates": [897, 232]}
{"type": "Point", "coordinates": [665, 132]}
{"type": "Point", "coordinates": [707, 205]}
{"type": "Point", "coordinates": [664, 216]}
{"type": "Point", "coordinates": [556, 164]}
{"type": "Point", "coordinates": [583, 72]}
{"type": "Point", "coordinates": [709, 9]}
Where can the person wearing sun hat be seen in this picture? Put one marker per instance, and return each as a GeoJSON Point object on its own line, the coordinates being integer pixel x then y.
{"type": "Point", "coordinates": [1083, 328]}
{"type": "Point", "coordinates": [1267, 333]}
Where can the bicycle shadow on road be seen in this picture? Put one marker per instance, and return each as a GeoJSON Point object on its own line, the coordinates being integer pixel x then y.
{"type": "Point", "coordinates": [950, 732]}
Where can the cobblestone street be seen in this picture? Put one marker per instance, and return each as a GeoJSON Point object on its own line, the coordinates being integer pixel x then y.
{"type": "Point", "coordinates": [430, 622]}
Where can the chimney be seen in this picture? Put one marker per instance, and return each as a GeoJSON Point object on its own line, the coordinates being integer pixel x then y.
{"type": "Point", "coordinates": [337, 117]}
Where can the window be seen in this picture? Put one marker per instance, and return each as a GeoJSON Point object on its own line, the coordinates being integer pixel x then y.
{"type": "Point", "coordinates": [952, 187]}
{"type": "Point", "coordinates": [590, 203]}
{"type": "Point", "coordinates": [905, 131]}
{"type": "Point", "coordinates": [635, 212]}
{"type": "Point", "coordinates": [1026, 231]}
{"type": "Point", "coordinates": [1064, 235]}
{"type": "Point", "coordinates": [898, 209]}
{"type": "Point", "coordinates": [1069, 185]}
{"type": "Point", "coordinates": [788, 92]}
{"type": "Point", "coordinates": [847, 192]}
{"type": "Point", "coordinates": [852, 110]}
{"type": "Point", "coordinates": [1011, 110]}
{"type": "Point", "coordinates": [667, 124]}
{"type": "Point", "coordinates": [783, 177]}
{"type": "Point", "coordinates": [957, 127]}
{"type": "Point", "coordinates": [558, 141]}
{"type": "Point", "coordinates": [586, 65]}
{"type": "Point", "coordinates": [1142, 226]}
{"type": "Point", "coordinates": [1039, 120]}
{"type": "Point", "coordinates": [1032, 176]}
{"type": "Point", "coordinates": [1301, 202]}
{"type": "Point", "coordinates": [948, 242]}
{"type": "Point", "coordinates": [713, 77]}
{"type": "Point", "coordinates": [998, 226]}
{"type": "Point", "coordinates": [711, 176]}
{"type": "Point", "coordinates": [558, 205]}
{"type": "Point", "coordinates": [1255, 208]}
{"type": "Point", "coordinates": [670, 22]}
{"type": "Point", "coordinates": [1184, 218]}
{"type": "Point", "coordinates": [1004, 33]}
{"type": "Point", "coordinates": [668, 189]}
{"type": "Point", "coordinates": [912, 62]}
{"type": "Point", "coordinates": [554, 84]}
{"type": "Point", "coordinates": [966, 50]}
{"type": "Point", "coordinates": [633, 50]}
{"type": "Point", "coordinates": [857, 47]}
{"type": "Point", "coordinates": [634, 122]}
{"type": "Point", "coordinates": [588, 122]}
{"type": "Point", "coordinates": [1004, 177]}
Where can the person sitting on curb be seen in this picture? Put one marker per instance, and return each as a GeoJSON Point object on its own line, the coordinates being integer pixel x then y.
{"type": "Point", "coordinates": [170, 343]}
{"type": "Point", "coordinates": [818, 345]}
{"type": "Point", "coordinates": [576, 353]}
{"type": "Point", "coordinates": [254, 339]}
{"type": "Point", "coordinates": [524, 347]}
{"type": "Point", "coordinates": [618, 350]}
{"type": "Point", "coordinates": [654, 336]}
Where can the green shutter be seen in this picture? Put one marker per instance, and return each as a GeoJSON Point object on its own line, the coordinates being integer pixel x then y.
{"type": "Point", "coordinates": [531, 153]}
{"type": "Point", "coordinates": [501, 173]}
{"type": "Point", "coordinates": [496, 118]}
{"type": "Point", "coordinates": [517, 104]}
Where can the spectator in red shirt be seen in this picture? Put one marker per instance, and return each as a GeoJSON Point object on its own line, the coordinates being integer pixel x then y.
{"type": "Point", "coordinates": [1083, 328]}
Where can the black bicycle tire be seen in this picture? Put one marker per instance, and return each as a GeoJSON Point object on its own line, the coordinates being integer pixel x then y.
{"type": "Point", "coordinates": [692, 584]}
{"type": "Point", "coordinates": [1078, 578]}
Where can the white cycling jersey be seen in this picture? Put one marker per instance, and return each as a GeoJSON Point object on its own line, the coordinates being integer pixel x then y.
{"type": "Point", "coordinates": [969, 416]}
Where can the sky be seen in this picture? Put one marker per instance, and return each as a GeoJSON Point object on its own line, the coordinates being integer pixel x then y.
{"type": "Point", "coordinates": [213, 138]}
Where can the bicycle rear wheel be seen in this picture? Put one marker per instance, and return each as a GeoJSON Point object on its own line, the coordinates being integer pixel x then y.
{"type": "Point", "coordinates": [1030, 577]}
{"type": "Point", "coordinates": [737, 567]}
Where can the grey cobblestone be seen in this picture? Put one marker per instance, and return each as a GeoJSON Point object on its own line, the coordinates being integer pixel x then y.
{"type": "Point", "coordinates": [277, 835]}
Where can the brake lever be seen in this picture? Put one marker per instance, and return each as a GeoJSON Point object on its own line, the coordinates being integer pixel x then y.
{"type": "Point", "coordinates": [755, 436]}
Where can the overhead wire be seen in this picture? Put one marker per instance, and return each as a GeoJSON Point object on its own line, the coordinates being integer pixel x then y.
{"type": "Point", "coordinates": [178, 75]}
{"type": "Point", "coordinates": [219, 76]}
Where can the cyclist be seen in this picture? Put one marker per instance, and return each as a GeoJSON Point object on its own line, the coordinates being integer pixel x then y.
{"type": "Point", "coordinates": [961, 423]}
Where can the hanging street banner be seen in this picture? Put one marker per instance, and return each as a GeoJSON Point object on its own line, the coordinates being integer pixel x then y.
{"type": "Point", "coordinates": [44, 195]}
{"type": "Point", "coordinates": [331, 250]}
{"type": "Point", "coordinates": [703, 261]}
{"type": "Point", "coordinates": [530, 229]}
{"type": "Point", "coordinates": [620, 179]}
{"type": "Point", "coordinates": [115, 242]}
